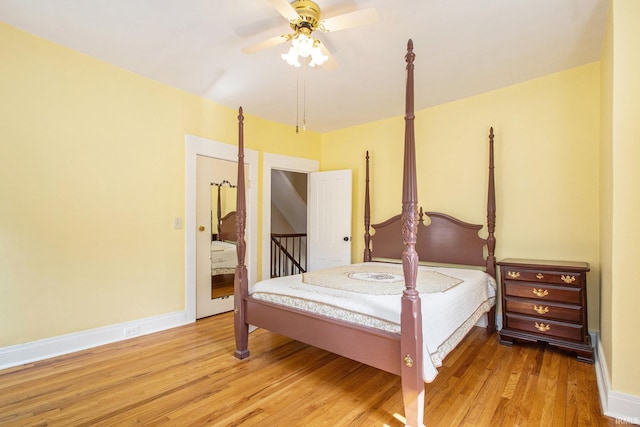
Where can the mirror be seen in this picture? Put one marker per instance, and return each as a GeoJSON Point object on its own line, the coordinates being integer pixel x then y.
{"type": "Point", "coordinates": [223, 238]}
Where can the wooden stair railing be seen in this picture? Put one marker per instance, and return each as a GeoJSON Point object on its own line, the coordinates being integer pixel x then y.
{"type": "Point", "coordinates": [288, 254]}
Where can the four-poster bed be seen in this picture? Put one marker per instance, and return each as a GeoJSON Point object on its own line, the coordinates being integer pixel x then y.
{"type": "Point", "coordinates": [390, 333]}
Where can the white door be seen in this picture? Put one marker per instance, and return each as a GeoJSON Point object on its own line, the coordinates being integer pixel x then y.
{"type": "Point", "coordinates": [329, 222]}
{"type": "Point", "coordinates": [213, 293]}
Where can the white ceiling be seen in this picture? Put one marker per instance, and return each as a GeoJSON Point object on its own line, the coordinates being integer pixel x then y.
{"type": "Point", "coordinates": [463, 47]}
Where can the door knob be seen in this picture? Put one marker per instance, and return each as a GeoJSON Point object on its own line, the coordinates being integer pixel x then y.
{"type": "Point", "coordinates": [201, 228]}
{"type": "Point", "coordinates": [346, 239]}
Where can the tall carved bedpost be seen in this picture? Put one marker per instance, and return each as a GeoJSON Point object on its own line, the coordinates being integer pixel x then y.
{"type": "Point", "coordinates": [491, 226]}
{"type": "Point", "coordinates": [491, 213]}
{"type": "Point", "coordinates": [367, 215]}
{"type": "Point", "coordinates": [411, 317]}
{"type": "Point", "coordinates": [219, 212]}
{"type": "Point", "coordinates": [240, 284]}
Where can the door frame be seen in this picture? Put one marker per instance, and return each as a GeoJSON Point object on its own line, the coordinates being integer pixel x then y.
{"type": "Point", "coordinates": [279, 162]}
{"type": "Point", "coordinates": [195, 146]}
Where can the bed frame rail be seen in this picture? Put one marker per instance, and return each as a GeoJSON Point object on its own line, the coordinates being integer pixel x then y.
{"type": "Point", "coordinates": [355, 341]}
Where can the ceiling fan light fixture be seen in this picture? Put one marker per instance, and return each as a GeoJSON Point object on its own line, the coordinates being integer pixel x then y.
{"type": "Point", "coordinates": [304, 46]}
{"type": "Point", "coordinates": [291, 57]}
{"type": "Point", "coordinates": [317, 57]}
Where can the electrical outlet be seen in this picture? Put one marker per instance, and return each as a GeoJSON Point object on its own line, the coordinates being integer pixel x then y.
{"type": "Point", "coordinates": [131, 331]}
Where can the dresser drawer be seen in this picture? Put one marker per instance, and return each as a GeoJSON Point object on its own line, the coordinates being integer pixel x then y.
{"type": "Point", "coordinates": [544, 309]}
{"type": "Point", "coordinates": [544, 276]}
{"type": "Point", "coordinates": [545, 328]}
{"type": "Point", "coordinates": [544, 292]}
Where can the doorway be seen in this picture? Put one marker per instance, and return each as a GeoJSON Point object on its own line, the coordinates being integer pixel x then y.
{"type": "Point", "coordinates": [274, 162]}
{"type": "Point", "coordinates": [288, 223]}
{"type": "Point", "coordinates": [270, 163]}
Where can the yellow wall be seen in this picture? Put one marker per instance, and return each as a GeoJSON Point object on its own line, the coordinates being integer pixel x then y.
{"type": "Point", "coordinates": [92, 169]}
{"type": "Point", "coordinates": [621, 151]}
{"type": "Point", "coordinates": [546, 147]}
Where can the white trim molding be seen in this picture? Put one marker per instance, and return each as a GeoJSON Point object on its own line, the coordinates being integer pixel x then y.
{"type": "Point", "coordinates": [625, 408]}
{"type": "Point", "coordinates": [21, 354]}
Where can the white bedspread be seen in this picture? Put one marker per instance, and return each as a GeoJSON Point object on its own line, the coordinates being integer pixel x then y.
{"type": "Point", "coordinates": [224, 258]}
{"type": "Point", "coordinates": [446, 316]}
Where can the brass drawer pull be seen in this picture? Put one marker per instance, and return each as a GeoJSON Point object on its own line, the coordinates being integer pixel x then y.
{"type": "Point", "coordinates": [540, 276]}
{"type": "Point", "coordinates": [542, 327]}
{"type": "Point", "coordinates": [568, 278]}
{"type": "Point", "coordinates": [540, 309]}
{"type": "Point", "coordinates": [540, 293]}
{"type": "Point", "coordinates": [513, 274]}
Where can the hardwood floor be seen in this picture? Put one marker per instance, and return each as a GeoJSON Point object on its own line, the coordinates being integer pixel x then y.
{"type": "Point", "coordinates": [188, 376]}
{"type": "Point", "coordinates": [222, 285]}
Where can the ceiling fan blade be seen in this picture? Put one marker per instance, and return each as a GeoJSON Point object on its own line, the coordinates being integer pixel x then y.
{"type": "Point", "coordinates": [349, 20]}
{"type": "Point", "coordinates": [273, 41]}
{"type": "Point", "coordinates": [331, 63]}
{"type": "Point", "coordinates": [285, 9]}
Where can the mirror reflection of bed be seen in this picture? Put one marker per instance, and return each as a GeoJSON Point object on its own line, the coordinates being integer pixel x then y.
{"type": "Point", "coordinates": [223, 239]}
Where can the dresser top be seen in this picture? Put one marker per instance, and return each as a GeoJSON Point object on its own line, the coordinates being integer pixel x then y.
{"type": "Point", "coordinates": [539, 263]}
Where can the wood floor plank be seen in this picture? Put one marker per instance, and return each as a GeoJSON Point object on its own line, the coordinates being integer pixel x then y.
{"type": "Point", "coordinates": [188, 376]}
{"type": "Point", "coordinates": [520, 402]}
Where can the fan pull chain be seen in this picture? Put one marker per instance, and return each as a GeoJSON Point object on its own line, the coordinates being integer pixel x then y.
{"type": "Point", "coordinates": [297, 98]}
{"type": "Point", "coordinates": [304, 100]}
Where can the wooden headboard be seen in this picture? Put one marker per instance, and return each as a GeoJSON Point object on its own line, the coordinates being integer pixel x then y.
{"type": "Point", "coordinates": [227, 227]}
{"type": "Point", "coordinates": [441, 238]}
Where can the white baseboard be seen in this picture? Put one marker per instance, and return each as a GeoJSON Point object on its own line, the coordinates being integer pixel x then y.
{"type": "Point", "coordinates": [625, 408]}
{"type": "Point", "coordinates": [43, 349]}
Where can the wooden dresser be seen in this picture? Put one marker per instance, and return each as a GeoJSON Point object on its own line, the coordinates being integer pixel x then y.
{"type": "Point", "coordinates": [546, 301]}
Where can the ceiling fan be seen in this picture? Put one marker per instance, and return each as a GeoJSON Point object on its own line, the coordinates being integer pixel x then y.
{"type": "Point", "coordinates": [304, 18]}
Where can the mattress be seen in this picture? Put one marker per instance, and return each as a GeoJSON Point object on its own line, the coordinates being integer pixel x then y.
{"type": "Point", "coordinates": [448, 312]}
